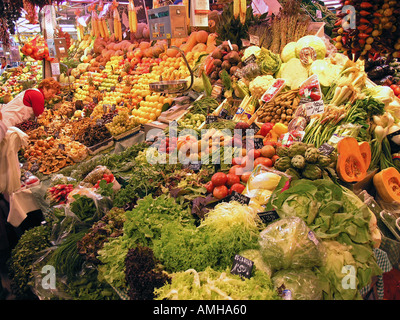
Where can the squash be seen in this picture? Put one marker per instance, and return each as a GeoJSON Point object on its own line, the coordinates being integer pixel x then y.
{"type": "Point", "coordinates": [200, 47]}
{"type": "Point", "coordinates": [350, 165]}
{"type": "Point", "coordinates": [365, 150]}
{"type": "Point", "coordinates": [171, 52]}
{"type": "Point", "coordinates": [190, 43]}
{"type": "Point", "coordinates": [144, 45]}
{"type": "Point", "coordinates": [201, 36]}
{"type": "Point", "coordinates": [387, 184]}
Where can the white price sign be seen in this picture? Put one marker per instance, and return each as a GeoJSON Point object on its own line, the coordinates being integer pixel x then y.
{"type": "Point", "coordinates": [315, 107]}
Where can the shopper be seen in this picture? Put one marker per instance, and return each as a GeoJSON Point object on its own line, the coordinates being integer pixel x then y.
{"type": "Point", "coordinates": [3, 65]}
{"type": "Point", "coordinates": [27, 104]}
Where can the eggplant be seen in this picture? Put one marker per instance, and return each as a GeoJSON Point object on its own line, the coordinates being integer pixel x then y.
{"type": "Point", "coordinates": [370, 64]}
{"type": "Point", "coordinates": [378, 72]}
{"type": "Point", "coordinates": [388, 80]}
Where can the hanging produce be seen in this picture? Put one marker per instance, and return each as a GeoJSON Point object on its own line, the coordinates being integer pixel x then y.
{"type": "Point", "coordinates": [132, 16]}
{"type": "Point", "coordinates": [376, 30]}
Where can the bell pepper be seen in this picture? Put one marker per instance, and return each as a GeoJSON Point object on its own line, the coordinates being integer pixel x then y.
{"type": "Point", "coordinates": [266, 128]}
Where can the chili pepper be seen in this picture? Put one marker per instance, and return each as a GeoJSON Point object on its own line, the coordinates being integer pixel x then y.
{"type": "Point", "coordinates": [369, 30]}
{"type": "Point", "coordinates": [377, 14]}
{"type": "Point", "coordinates": [364, 21]}
{"type": "Point", "coordinates": [365, 13]}
{"type": "Point", "coordinates": [362, 27]}
{"type": "Point", "coordinates": [363, 35]}
{"type": "Point", "coordinates": [361, 42]}
{"type": "Point", "coordinates": [376, 21]}
{"type": "Point", "coordinates": [338, 22]}
{"type": "Point", "coordinates": [366, 5]}
{"type": "Point", "coordinates": [344, 40]}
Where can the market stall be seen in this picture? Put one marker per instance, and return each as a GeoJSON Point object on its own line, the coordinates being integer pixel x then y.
{"type": "Point", "coordinates": [209, 154]}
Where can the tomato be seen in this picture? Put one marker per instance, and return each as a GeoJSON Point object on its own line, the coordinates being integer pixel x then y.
{"type": "Point", "coordinates": [219, 179]}
{"type": "Point", "coordinates": [220, 192]}
{"type": "Point", "coordinates": [267, 162]}
{"type": "Point", "coordinates": [274, 158]}
{"type": "Point", "coordinates": [236, 170]}
{"type": "Point", "coordinates": [232, 179]}
{"type": "Point", "coordinates": [209, 186]}
{"type": "Point", "coordinates": [397, 91]}
{"type": "Point", "coordinates": [238, 187]}
{"type": "Point", "coordinates": [245, 176]}
{"type": "Point", "coordinates": [237, 161]}
{"type": "Point", "coordinates": [268, 151]}
{"type": "Point", "coordinates": [254, 153]}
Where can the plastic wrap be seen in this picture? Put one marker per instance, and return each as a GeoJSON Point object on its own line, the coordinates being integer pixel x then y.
{"type": "Point", "coordinates": [289, 244]}
{"type": "Point", "coordinates": [95, 175]}
{"type": "Point", "coordinates": [298, 284]}
{"type": "Point", "coordinates": [262, 183]}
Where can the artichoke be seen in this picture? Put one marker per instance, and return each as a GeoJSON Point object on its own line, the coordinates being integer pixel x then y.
{"type": "Point", "coordinates": [297, 148]}
{"type": "Point", "coordinates": [311, 155]}
{"type": "Point", "coordinates": [282, 151]}
{"type": "Point", "coordinates": [283, 163]}
{"type": "Point", "coordinates": [293, 173]}
{"type": "Point", "coordinates": [312, 172]}
{"type": "Point", "coordinates": [324, 161]}
{"type": "Point", "coordinates": [298, 161]}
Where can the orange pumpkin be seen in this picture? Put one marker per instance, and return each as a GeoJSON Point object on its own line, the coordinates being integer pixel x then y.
{"type": "Point", "coordinates": [365, 150]}
{"type": "Point", "coordinates": [350, 165]}
{"type": "Point", "coordinates": [387, 184]}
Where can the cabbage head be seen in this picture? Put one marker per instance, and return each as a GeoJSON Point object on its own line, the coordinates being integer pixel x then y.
{"type": "Point", "coordinates": [311, 41]}
{"type": "Point", "coordinates": [289, 51]}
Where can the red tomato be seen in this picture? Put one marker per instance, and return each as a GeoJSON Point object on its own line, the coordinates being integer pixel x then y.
{"type": "Point", "coordinates": [209, 186]}
{"type": "Point", "coordinates": [274, 158]}
{"type": "Point", "coordinates": [254, 153]}
{"type": "Point", "coordinates": [220, 192]}
{"type": "Point", "coordinates": [393, 86]}
{"type": "Point", "coordinates": [237, 161]}
{"type": "Point", "coordinates": [238, 187]}
{"type": "Point", "coordinates": [236, 170]}
{"type": "Point", "coordinates": [245, 176]}
{"type": "Point", "coordinates": [219, 179]}
{"type": "Point", "coordinates": [232, 179]}
{"type": "Point", "coordinates": [268, 151]}
{"type": "Point", "coordinates": [397, 91]}
{"type": "Point", "coordinates": [267, 162]}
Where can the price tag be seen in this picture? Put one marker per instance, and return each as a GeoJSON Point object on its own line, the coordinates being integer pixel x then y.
{"type": "Point", "coordinates": [268, 216]}
{"type": "Point", "coordinates": [250, 59]}
{"type": "Point", "coordinates": [223, 114]}
{"type": "Point", "coordinates": [326, 149]}
{"type": "Point", "coordinates": [55, 69]}
{"type": "Point", "coordinates": [242, 266]}
{"type": "Point", "coordinates": [258, 143]}
{"type": "Point", "coordinates": [194, 166]}
{"type": "Point", "coordinates": [211, 119]}
{"type": "Point", "coordinates": [112, 88]}
{"type": "Point", "coordinates": [315, 107]}
{"type": "Point", "coordinates": [254, 127]}
{"type": "Point", "coordinates": [318, 13]}
{"type": "Point", "coordinates": [254, 39]}
{"type": "Point", "coordinates": [241, 198]}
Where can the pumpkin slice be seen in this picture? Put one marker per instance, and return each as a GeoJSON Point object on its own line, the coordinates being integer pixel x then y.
{"type": "Point", "coordinates": [365, 150]}
{"type": "Point", "coordinates": [350, 165]}
{"type": "Point", "coordinates": [387, 184]}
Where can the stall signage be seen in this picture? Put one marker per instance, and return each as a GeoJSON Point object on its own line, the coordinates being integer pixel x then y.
{"type": "Point", "coordinates": [242, 266]}
{"type": "Point", "coordinates": [315, 107]}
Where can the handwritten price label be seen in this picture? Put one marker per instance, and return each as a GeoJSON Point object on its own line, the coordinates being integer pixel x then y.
{"type": "Point", "coordinates": [315, 107]}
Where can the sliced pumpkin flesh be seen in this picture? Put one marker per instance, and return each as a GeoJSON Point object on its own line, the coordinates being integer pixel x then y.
{"type": "Point", "coordinates": [352, 167]}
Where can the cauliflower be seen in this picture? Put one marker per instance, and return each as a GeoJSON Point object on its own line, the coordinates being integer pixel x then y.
{"type": "Point", "coordinates": [260, 84]}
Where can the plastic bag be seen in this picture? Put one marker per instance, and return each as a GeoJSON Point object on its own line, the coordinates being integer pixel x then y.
{"type": "Point", "coordinates": [95, 175]}
{"type": "Point", "coordinates": [298, 284]}
{"type": "Point", "coordinates": [288, 243]}
{"type": "Point", "coordinates": [262, 182]}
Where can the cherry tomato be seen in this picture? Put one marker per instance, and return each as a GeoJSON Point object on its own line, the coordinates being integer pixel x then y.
{"type": "Point", "coordinates": [397, 91]}
{"type": "Point", "coordinates": [219, 179]}
{"type": "Point", "coordinates": [220, 192]}
{"type": "Point", "coordinates": [238, 187]}
{"type": "Point", "coordinates": [232, 179]}
{"type": "Point", "coordinates": [209, 186]}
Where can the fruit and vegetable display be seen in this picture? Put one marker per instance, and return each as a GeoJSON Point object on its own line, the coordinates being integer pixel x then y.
{"type": "Point", "coordinates": [256, 183]}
